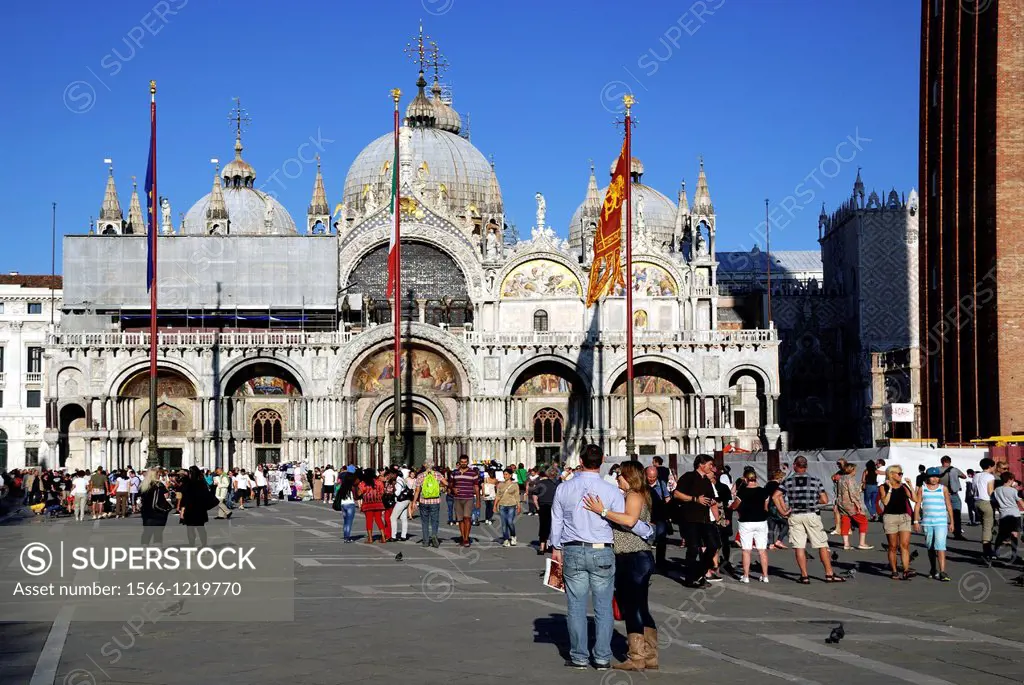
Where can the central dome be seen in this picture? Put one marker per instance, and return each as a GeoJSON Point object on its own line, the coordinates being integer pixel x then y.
{"type": "Point", "coordinates": [437, 157]}
{"type": "Point", "coordinates": [445, 167]}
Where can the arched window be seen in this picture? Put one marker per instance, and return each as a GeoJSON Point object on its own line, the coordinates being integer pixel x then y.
{"type": "Point", "coordinates": [266, 427]}
{"type": "Point", "coordinates": [547, 427]}
{"type": "Point", "coordinates": [540, 320]}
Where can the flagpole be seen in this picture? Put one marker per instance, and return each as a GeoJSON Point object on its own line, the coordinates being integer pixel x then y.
{"type": "Point", "coordinates": [768, 254]}
{"type": "Point", "coordinates": [152, 458]}
{"type": "Point", "coordinates": [53, 261]}
{"type": "Point", "coordinates": [628, 100]}
{"type": "Point", "coordinates": [396, 95]}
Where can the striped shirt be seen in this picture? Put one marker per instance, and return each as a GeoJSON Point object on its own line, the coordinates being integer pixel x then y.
{"type": "Point", "coordinates": [465, 483]}
{"type": "Point", "coordinates": [933, 506]}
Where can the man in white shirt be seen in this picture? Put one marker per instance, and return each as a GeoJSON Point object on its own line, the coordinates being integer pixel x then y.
{"type": "Point", "coordinates": [330, 477]}
{"type": "Point", "coordinates": [984, 485]}
{"type": "Point", "coordinates": [80, 491]}
{"type": "Point", "coordinates": [242, 488]}
{"type": "Point", "coordinates": [121, 487]}
{"type": "Point", "coordinates": [133, 488]}
{"type": "Point", "coordinates": [260, 482]}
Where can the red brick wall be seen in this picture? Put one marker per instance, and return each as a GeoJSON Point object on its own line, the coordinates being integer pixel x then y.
{"type": "Point", "coordinates": [1009, 228]}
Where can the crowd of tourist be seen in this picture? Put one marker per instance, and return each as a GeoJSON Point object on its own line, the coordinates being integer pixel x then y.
{"type": "Point", "coordinates": [611, 532]}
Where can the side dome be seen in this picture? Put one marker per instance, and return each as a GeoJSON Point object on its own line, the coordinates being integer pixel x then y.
{"type": "Point", "coordinates": [248, 211]}
{"type": "Point", "coordinates": [659, 215]}
{"type": "Point", "coordinates": [438, 157]}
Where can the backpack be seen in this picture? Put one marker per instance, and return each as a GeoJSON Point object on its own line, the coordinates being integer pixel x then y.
{"type": "Point", "coordinates": [430, 488]}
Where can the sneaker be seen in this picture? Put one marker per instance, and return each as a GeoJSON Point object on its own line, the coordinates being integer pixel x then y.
{"type": "Point", "coordinates": [602, 665]}
{"type": "Point", "coordinates": [514, 541]}
{"type": "Point", "coordinates": [713, 577]}
{"type": "Point", "coordinates": [764, 578]}
{"type": "Point", "coordinates": [745, 579]}
{"type": "Point", "coordinates": [943, 577]}
{"type": "Point", "coordinates": [506, 544]}
{"type": "Point", "coordinates": [576, 665]}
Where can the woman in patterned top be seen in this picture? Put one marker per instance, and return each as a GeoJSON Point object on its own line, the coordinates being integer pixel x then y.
{"type": "Point", "coordinates": [371, 493]}
{"type": "Point", "coordinates": [634, 564]}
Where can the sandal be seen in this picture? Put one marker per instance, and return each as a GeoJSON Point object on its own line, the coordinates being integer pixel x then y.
{"type": "Point", "coordinates": [847, 548]}
{"type": "Point", "coordinates": [804, 580]}
{"type": "Point", "coordinates": [834, 579]}
{"type": "Point", "coordinates": [896, 575]}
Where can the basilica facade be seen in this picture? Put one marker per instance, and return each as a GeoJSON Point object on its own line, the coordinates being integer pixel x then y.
{"type": "Point", "coordinates": [276, 336]}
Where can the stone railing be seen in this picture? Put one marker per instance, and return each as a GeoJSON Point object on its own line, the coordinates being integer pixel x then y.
{"type": "Point", "coordinates": [705, 290]}
{"type": "Point", "coordinates": [573, 338]}
{"type": "Point", "coordinates": [33, 377]}
{"type": "Point", "coordinates": [260, 339]}
{"type": "Point", "coordinates": [272, 339]}
{"type": "Point", "coordinates": [3, 378]}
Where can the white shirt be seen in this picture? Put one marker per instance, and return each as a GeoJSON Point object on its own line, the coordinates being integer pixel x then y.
{"type": "Point", "coordinates": [80, 485]}
{"type": "Point", "coordinates": [981, 481]}
{"type": "Point", "coordinates": [612, 478]}
{"type": "Point", "coordinates": [122, 484]}
{"type": "Point", "coordinates": [330, 478]}
{"type": "Point", "coordinates": [261, 480]}
{"type": "Point", "coordinates": [134, 487]}
{"type": "Point", "coordinates": [242, 482]}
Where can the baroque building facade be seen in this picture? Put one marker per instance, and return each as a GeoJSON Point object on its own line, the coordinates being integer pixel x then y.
{"type": "Point", "coordinates": [275, 344]}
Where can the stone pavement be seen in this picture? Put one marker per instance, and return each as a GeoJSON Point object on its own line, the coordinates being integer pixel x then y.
{"type": "Point", "coordinates": [481, 615]}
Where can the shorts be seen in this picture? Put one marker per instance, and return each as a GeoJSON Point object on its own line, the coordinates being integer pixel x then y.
{"type": "Point", "coordinates": [98, 499]}
{"type": "Point", "coordinates": [896, 523]}
{"type": "Point", "coordinates": [804, 527]}
{"type": "Point", "coordinates": [522, 488]}
{"type": "Point", "coordinates": [935, 537]}
{"type": "Point", "coordinates": [753, 534]}
{"type": "Point", "coordinates": [242, 493]}
{"type": "Point", "coordinates": [464, 508]}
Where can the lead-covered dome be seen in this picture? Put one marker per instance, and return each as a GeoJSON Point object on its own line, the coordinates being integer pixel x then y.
{"type": "Point", "coordinates": [249, 211]}
{"type": "Point", "coordinates": [659, 211]}
{"type": "Point", "coordinates": [438, 157]}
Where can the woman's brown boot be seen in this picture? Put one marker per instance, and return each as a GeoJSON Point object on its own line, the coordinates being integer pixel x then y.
{"type": "Point", "coordinates": [651, 648]}
{"type": "Point", "coordinates": [635, 660]}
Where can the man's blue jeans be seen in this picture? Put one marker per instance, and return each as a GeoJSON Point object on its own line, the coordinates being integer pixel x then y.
{"type": "Point", "coordinates": [349, 513]}
{"type": "Point", "coordinates": [589, 572]}
{"type": "Point", "coordinates": [508, 522]}
{"type": "Point", "coordinates": [430, 517]}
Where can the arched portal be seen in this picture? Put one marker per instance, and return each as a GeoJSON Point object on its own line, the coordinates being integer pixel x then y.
{"type": "Point", "coordinates": [749, 408]}
{"type": "Point", "coordinates": [548, 397]}
{"type": "Point", "coordinates": [264, 414]}
{"type": "Point", "coordinates": [176, 398]}
{"type": "Point", "coordinates": [665, 405]}
{"type": "Point", "coordinates": [71, 449]}
{"type": "Point", "coordinates": [423, 431]}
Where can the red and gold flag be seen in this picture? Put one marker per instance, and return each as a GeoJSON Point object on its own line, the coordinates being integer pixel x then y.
{"type": "Point", "coordinates": [606, 268]}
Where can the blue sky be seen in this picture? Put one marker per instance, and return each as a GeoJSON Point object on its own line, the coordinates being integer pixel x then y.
{"type": "Point", "coordinates": [766, 90]}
